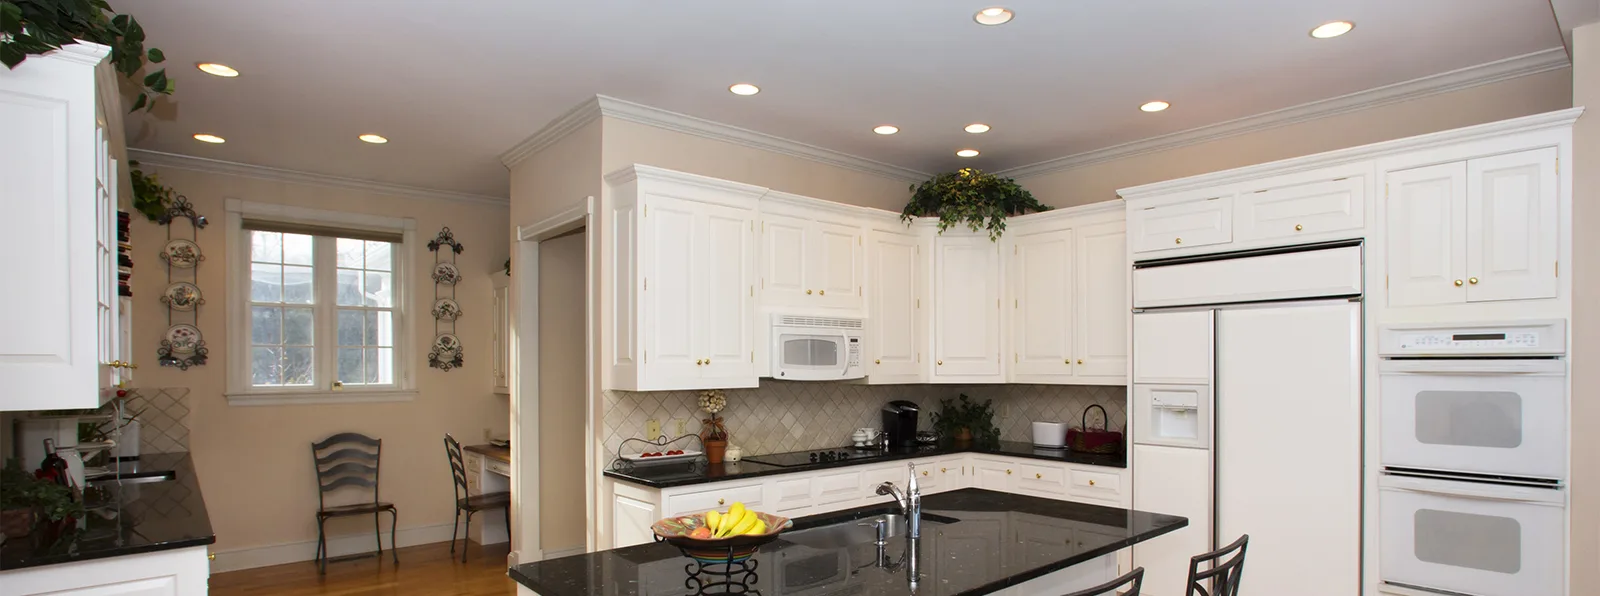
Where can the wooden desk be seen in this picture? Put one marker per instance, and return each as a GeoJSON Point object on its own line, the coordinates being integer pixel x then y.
{"type": "Point", "coordinates": [488, 470]}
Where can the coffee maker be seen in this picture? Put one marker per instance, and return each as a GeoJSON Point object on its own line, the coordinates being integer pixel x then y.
{"type": "Point", "coordinates": [900, 423]}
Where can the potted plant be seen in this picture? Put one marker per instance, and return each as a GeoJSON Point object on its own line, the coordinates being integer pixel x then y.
{"type": "Point", "coordinates": [970, 196]}
{"type": "Point", "coordinates": [26, 500]}
{"type": "Point", "coordinates": [714, 434]}
{"type": "Point", "coordinates": [33, 27]}
{"type": "Point", "coordinates": [150, 197]}
{"type": "Point", "coordinates": [964, 420]}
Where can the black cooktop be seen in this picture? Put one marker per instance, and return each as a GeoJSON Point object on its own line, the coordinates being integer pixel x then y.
{"type": "Point", "coordinates": [795, 459]}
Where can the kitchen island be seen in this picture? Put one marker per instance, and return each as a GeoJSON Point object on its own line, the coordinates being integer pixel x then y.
{"type": "Point", "coordinates": [973, 541]}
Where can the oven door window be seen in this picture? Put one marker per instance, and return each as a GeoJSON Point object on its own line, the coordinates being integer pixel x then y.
{"type": "Point", "coordinates": [811, 351]}
{"type": "Point", "coordinates": [1468, 540]}
{"type": "Point", "coordinates": [1469, 418]}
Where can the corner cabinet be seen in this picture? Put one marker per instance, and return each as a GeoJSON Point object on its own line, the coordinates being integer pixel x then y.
{"type": "Point", "coordinates": [683, 281]}
{"type": "Point", "coordinates": [61, 180]}
{"type": "Point", "coordinates": [966, 308]}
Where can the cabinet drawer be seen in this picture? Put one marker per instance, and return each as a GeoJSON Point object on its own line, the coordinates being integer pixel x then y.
{"type": "Point", "coordinates": [836, 488]}
{"type": "Point", "coordinates": [497, 466]}
{"type": "Point", "coordinates": [1093, 484]}
{"type": "Point", "coordinates": [716, 498]}
{"type": "Point", "coordinates": [1048, 481]}
{"type": "Point", "coordinates": [790, 495]}
{"type": "Point", "coordinates": [1302, 209]}
{"type": "Point", "coordinates": [1194, 223]}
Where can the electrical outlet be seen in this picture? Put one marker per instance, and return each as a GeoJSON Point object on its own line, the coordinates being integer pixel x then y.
{"type": "Point", "coordinates": [681, 425]}
{"type": "Point", "coordinates": [652, 429]}
{"type": "Point", "coordinates": [487, 436]}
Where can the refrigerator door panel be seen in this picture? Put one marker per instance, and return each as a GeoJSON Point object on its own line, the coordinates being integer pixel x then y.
{"type": "Point", "coordinates": [1175, 481]}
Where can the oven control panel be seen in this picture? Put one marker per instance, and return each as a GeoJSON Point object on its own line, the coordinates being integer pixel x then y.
{"type": "Point", "coordinates": [1531, 337]}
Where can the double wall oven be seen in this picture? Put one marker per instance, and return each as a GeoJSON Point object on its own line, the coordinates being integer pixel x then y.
{"type": "Point", "coordinates": [1472, 496]}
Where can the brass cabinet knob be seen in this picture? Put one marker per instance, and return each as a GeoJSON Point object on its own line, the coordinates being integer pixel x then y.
{"type": "Point", "coordinates": [1298, 227]}
{"type": "Point", "coordinates": [211, 556]}
{"type": "Point", "coordinates": [1177, 241]}
{"type": "Point", "coordinates": [699, 362]}
{"type": "Point", "coordinates": [1039, 476]}
{"type": "Point", "coordinates": [1080, 361]}
{"type": "Point", "coordinates": [941, 470]}
{"type": "Point", "coordinates": [1458, 283]}
{"type": "Point", "coordinates": [719, 501]}
{"type": "Point", "coordinates": [808, 292]}
{"type": "Point", "coordinates": [1472, 280]}
{"type": "Point", "coordinates": [924, 472]}
{"type": "Point", "coordinates": [1008, 472]}
{"type": "Point", "coordinates": [877, 361]}
{"type": "Point", "coordinates": [822, 292]}
{"type": "Point", "coordinates": [939, 362]}
{"type": "Point", "coordinates": [708, 362]}
{"type": "Point", "coordinates": [1091, 483]}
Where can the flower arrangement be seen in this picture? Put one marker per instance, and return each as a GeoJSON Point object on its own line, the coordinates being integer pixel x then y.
{"type": "Point", "coordinates": [714, 434]}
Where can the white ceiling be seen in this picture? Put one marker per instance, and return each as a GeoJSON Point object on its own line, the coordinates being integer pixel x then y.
{"type": "Point", "coordinates": [455, 84]}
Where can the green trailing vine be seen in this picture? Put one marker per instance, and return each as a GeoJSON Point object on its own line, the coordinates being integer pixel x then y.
{"type": "Point", "coordinates": [969, 196]}
{"type": "Point", "coordinates": [150, 197]}
{"type": "Point", "coordinates": [34, 27]}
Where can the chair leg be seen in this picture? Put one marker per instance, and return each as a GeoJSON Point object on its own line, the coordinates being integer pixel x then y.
{"type": "Point", "coordinates": [454, 525]}
{"type": "Point", "coordinates": [508, 526]}
{"type": "Point", "coordinates": [377, 531]}
{"type": "Point", "coordinates": [466, 536]}
{"type": "Point", "coordinates": [322, 546]}
{"type": "Point", "coordinates": [394, 522]}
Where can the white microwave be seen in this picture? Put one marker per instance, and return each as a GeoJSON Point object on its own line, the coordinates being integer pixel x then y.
{"type": "Point", "coordinates": [816, 348]}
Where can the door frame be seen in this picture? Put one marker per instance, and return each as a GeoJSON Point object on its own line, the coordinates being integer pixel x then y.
{"type": "Point", "coordinates": [524, 383]}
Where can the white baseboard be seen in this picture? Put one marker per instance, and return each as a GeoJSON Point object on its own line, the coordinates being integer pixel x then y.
{"type": "Point", "coordinates": [343, 544]}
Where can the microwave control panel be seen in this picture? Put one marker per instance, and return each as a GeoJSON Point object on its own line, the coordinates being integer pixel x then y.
{"type": "Point", "coordinates": [853, 358]}
{"type": "Point", "coordinates": [1528, 338]}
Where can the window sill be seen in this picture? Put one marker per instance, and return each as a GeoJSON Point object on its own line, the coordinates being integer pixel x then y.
{"type": "Point", "coordinates": [294, 398]}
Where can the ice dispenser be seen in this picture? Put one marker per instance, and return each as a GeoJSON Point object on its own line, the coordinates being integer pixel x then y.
{"type": "Point", "coordinates": [1174, 415]}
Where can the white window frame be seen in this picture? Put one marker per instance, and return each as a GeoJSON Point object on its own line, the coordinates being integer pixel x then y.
{"type": "Point", "coordinates": [240, 391]}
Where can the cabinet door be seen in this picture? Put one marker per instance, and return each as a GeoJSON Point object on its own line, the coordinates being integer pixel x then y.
{"type": "Point", "coordinates": [1042, 304]}
{"type": "Point", "coordinates": [671, 295]}
{"type": "Point", "coordinates": [723, 329]}
{"type": "Point", "coordinates": [500, 334]}
{"type": "Point", "coordinates": [1192, 223]}
{"type": "Point", "coordinates": [966, 303]}
{"type": "Point", "coordinates": [784, 267]}
{"type": "Point", "coordinates": [1174, 481]}
{"type": "Point", "coordinates": [1424, 218]}
{"type": "Point", "coordinates": [992, 475]}
{"type": "Point", "coordinates": [1101, 307]}
{"type": "Point", "coordinates": [632, 521]}
{"type": "Point", "coordinates": [1512, 234]}
{"type": "Point", "coordinates": [1302, 209]}
{"type": "Point", "coordinates": [836, 265]}
{"type": "Point", "coordinates": [1172, 347]}
{"type": "Point", "coordinates": [894, 316]}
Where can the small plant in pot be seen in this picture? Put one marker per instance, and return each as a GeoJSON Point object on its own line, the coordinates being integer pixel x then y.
{"type": "Point", "coordinates": [714, 434]}
{"type": "Point", "coordinates": [26, 500]}
{"type": "Point", "coordinates": [963, 420]}
{"type": "Point", "coordinates": [970, 196]}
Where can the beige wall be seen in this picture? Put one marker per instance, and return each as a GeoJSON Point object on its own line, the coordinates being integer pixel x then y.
{"type": "Point", "coordinates": [1521, 96]}
{"type": "Point", "coordinates": [254, 463]}
{"type": "Point", "coordinates": [557, 177]}
{"type": "Point", "coordinates": [1585, 319]}
{"type": "Point", "coordinates": [561, 391]}
{"type": "Point", "coordinates": [628, 143]}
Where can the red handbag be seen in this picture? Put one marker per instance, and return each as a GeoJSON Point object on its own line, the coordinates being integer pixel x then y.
{"type": "Point", "coordinates": [1094, 440]}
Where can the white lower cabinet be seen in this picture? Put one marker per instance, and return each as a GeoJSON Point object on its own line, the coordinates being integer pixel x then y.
{"type": "Point", "coordinates": [177, 572]}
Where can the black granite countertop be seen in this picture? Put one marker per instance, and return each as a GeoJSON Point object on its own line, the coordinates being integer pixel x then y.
{"type": "Point", "coordinates": [973, 541]}
{"type": "Point", "coordinates": [135, 518]}
{"type": "Point", "coordinates": [668, 475]}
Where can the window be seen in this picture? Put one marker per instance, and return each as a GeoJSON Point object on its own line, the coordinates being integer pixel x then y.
{"type": "Point", "coordinates": [319, 313]}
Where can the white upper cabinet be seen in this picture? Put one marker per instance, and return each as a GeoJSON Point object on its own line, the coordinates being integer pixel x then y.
{"type": "Point", "coordinates": [1301, 210]}
{"type": "Point", "coordinates": [895, 263]}
{"type": "Point", "coordinates": [1101, 305]}
{"type": "Point", "coordinates": [1475, 231]}
{"type": "Point", "coordinates": [684, 255]}
{"type": "Point", "coordinates": [1190, 223]}
{"type": "Point", "coordinates": [1068, 300]}
{"type": "Point", "coordinates": [966, 308]}
{"type": "Point", "coordinates": [1042, 296]}
{"type": "Point", "coordinates": [811, 256]}
{"type": "Point", "coordinates": [59, 180]}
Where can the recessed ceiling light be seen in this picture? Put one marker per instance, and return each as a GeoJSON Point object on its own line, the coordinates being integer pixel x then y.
{"type": "Point", "coordinates": [885, 130]}
{"type": "Point", "coordinates": [993, 15]}
{"type": "Point", "coordinates": [967, 153]}
{"type": "Point", "coordinates": [374, 139]}
{"type": "Point", "coordinates": [1155, 106]}
{"type": "Point", "coordinates": [1334, 29]}
{"type": "Point", "coordinates": [977, 128]}
{"type": "Point", "coordinates": [221, 70]}
{"type": "Point", "coordinates": [744, 89]}
{"type": "Point", "coordinates": [205, 138]}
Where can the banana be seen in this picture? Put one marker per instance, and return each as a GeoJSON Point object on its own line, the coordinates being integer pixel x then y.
{"type": "Point", "coordinates": [748, 521]}
{"type": "Point", "coordinates": [759, 528]}
{"type": "Point", "coordinates": [713, 520]}
{"type": "Point", "coordinates": [737, 510]}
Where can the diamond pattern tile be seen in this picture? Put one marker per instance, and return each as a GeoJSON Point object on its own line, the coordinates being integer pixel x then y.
{"type": "Point", "coordinates": [163, 418]}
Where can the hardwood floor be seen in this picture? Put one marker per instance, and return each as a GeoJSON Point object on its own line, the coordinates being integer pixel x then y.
{"type": "Point", "coordinates": [423, 569]}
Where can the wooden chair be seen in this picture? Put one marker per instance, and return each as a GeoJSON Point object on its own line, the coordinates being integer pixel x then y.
{"type": "Point", "coordinates": [1224, 576]}
{"type": "Point", "coordinates": [350, 460]}
{"type": "Point", "coordinates": [1133, 580]}
{"type": "Point", "coordinates": [470, 503]}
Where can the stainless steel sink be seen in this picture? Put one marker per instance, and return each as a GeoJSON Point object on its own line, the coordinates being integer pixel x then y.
{"type": "Point", "coordinates": [141, 478]}
{"type": "Point", "coordinates": [854, 532]}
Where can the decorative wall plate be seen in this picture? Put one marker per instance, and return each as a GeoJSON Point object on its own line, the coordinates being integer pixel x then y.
{"type": "Point", "coordinates": [447, 343]}
{"type": "Point", "coordinates": [183, 338]}
{"type": "Point", "coordinates": [446, 309]}
{"type": "Point", "coordinates": [446, 352]}
{"type": "Point", "coordinates": [182, 253]}
{"type": "Point", "coordinates": [446, 273]}
{"type": "Point", "coordinates": [183, 296]}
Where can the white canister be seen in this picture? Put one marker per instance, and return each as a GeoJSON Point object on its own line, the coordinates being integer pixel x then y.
{"type": "Point", "coordinates": [1050, 434]}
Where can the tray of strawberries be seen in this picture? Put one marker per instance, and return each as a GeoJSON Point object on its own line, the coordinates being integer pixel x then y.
{"type": "Point", "coordinates": [658, 457]}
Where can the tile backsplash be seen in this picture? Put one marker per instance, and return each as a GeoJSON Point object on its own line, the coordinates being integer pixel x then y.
{"type": "Point", "coordinates": [163, 418]}
{"type": "Point", "coordinates": [797, 416]}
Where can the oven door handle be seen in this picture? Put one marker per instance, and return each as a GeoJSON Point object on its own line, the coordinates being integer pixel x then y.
{"type": "Point", "coordinates": [1474, 367]}
{"type": "Point", "coordinates": [1471, 490]}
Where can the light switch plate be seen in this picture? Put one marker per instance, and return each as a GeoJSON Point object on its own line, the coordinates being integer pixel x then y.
{"type": "Point", "coordinates": [652, 429]}
{"type": "Point", "coordinates": [681, 425]}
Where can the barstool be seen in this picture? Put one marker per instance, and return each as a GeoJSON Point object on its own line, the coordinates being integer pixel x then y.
{"type": "Point", "coordinates": [1225, 576]}
{"type": "Point", "coordinates": [1133, 580]}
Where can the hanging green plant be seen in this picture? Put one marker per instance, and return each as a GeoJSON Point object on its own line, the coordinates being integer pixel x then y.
{"type": "Point", "coordinates": [149, 196]}
{"type": "Point", "coordinates": [967, 195]}
{"type": "Point", "coordinates": [34, 27]}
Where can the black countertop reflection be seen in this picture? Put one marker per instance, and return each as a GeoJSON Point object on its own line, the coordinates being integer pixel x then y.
{"type": "Point", "coordinates": [668, 475]}
{"type": "Point", "coordinates": [136, 518]}
{"type": "Point", "coordinates": [973, 541]}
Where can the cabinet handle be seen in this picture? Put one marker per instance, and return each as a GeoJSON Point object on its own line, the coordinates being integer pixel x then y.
{"type": "Point", "coordinates": [699, 362]}
{"type": "Point", "coordinates": [1298, 227]}
{"type": "Point", "coordinates": [1080, 361]}
{"type": "Point", "coordinates": [822, 292]}
{"type": "Point", "coordinates": [1091, 483]}
{"type": "Point", "coordinates": [939, 362]}
{"type": "Point", "coordinates": [808, 292]}
{"type": "Point", "coordinates": [1038, 476]}
{"type": "Point", "coordinates": [924, 472]}
{"type": "Point", "coordinates": [211, 556]}
{"type": "Point", "coordinates": [708, 362]}
{"type": "Point", "coordinates": [877, 361]}
{"type": "Point", "coordinates": [719, 501]}
{"type": "Point", "coordinates": [1472, 280]}
{"type": "Point", "coordinates": [1008, 472]}
{"type": "Point", "coordinates": [1458, 283]}
{"type": "Point", "coordinates": [1177, 241]}
{"type": "Point", "coordinates": [942, 470]}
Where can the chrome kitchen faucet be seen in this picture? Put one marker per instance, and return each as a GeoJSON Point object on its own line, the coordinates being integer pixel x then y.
{"type": "Point", "coordinates": [910, 501]}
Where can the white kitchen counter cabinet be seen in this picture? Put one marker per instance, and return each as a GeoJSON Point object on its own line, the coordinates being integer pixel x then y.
{"type": "Point", "coordinates": [179, 572]}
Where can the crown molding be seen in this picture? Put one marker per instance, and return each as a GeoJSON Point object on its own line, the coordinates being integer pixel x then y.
{"type": "Point", "coordinates": [640, 171]}
{"type": "Point", "coordinates": [611, 107]}
{"type": "Point", "coordinates": [1536, 122]}
{"type": "Point", "coordinates": [1472, 76]}
{"type": "Point", "coordinates": [82, 52]}
{"type": "Point", "coordinates": [217, 166]}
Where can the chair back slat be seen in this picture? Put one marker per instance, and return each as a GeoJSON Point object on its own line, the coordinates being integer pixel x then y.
{"type": "Point", "coordinates": [338, 483]}
{"type": "Point", "coordinates": [458, 466]}
{"type": "Point", "coordinates": [1133, 581]}
{"type": "Point", "coordinates": [1224, 576]}
{"type": "Point", "coordinates": [348, 454]}
{"type": "Point", "coordinates": [353, 438]}
{"type": "Point", "coordinates": [349, 469]}
{"type": "Point", "coordinates": [346, 460]}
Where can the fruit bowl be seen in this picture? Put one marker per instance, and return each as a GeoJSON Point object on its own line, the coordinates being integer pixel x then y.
{"type": "Point", "coordinates": [729, 549]}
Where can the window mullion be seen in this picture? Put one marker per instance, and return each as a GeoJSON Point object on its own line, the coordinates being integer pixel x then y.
{"type": "Point", "coordinates": [325, 310]}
